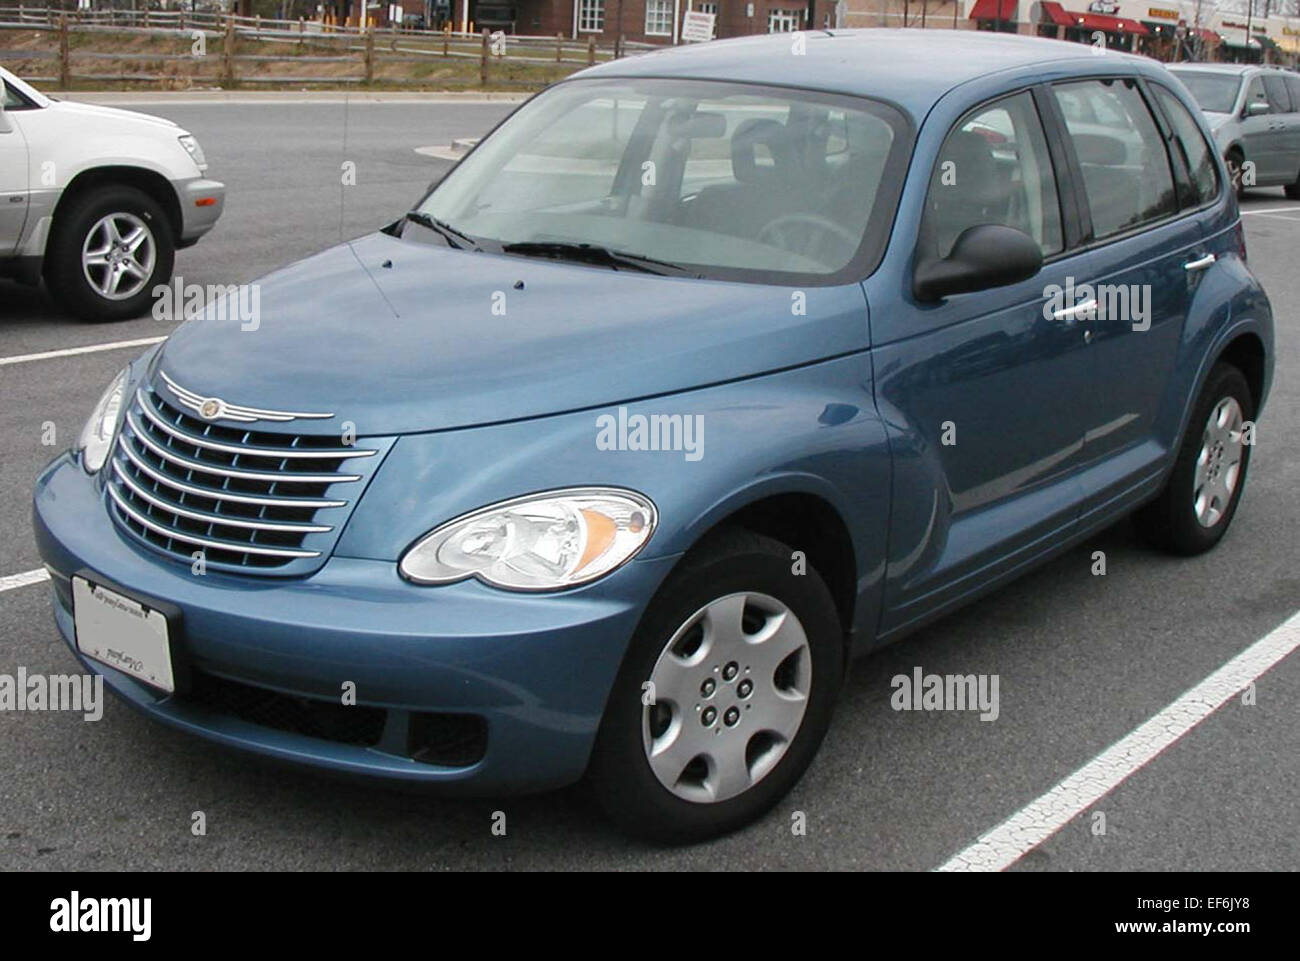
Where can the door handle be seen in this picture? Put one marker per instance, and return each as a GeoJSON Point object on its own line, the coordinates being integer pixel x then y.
{"type": "Point", "coordinates": [1072, 313]}
{"type": "Point", "coordinates": [1199, 264]}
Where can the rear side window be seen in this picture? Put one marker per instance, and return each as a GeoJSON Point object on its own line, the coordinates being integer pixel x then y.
{"type": "Point", "coordinates": [1126, 173]}
{"type": "Point", "coordinates": [1196, 153]}
{"type": "Point", "coordinates": [13, 100]}
{"type": "Point", "coordinates": [1275, 87]}
{"type": "Point", "coordinates": [994, 168]}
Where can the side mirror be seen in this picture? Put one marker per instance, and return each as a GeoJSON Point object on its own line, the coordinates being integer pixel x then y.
{"type": "Point", "coordinates": [1256, 108]}
{"type": "Point", "coordinates": [985, 256]}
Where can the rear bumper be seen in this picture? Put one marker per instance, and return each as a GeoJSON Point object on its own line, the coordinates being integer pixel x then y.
{"type": "Point", "coordinates": [202, 202]}
{"type": "Point", "coordinates": [536, 669]}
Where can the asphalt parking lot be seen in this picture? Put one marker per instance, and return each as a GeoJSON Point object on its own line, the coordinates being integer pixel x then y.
{"type": "Point", "coordinates": [1083, 660]}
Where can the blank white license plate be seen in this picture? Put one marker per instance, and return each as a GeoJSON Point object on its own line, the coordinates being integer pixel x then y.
{"type": "Point", "coordinates": [122, 633]}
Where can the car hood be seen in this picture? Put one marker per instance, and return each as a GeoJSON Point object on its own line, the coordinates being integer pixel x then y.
{"type": "Point", "coordinates": [94, 113]}
{"type": "Point", "coordinates": [398, 336]}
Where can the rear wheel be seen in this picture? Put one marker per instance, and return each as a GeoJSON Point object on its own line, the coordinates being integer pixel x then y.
{"type": "Point", "coordinates": [1293, 189]}
{"type": "Point", "coordinates": [1201, 496]}
{"type": "Point", "coordinates": [110, 247]}
{"type": "Point", "coordinates": [725, 694]}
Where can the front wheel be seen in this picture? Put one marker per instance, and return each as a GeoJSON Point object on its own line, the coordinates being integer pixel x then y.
{"type": "Point", "coordinates": [109, 249]}
{"type": "Point", "coordinates": [725, 694]}
{"type": "Point", "coordinates": [1201, 496]}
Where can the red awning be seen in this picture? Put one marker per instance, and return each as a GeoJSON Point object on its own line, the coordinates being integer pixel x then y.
{"type": "Point", "coordinates": [1209, 36]}
{"type": "Point", "coordinates": [994, 10]}
{"type": "Point", "coordinates": [1056, 13]}
{"type": "Point", "coordinates": [1099, 21]}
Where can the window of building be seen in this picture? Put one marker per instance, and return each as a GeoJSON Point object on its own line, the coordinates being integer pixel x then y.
{"type": "Point", "coordinates": [659, 18]}
{"type": "Point", "coordinates": [591, 16]}
{"type": "Point", "coordinates": [784, 21]}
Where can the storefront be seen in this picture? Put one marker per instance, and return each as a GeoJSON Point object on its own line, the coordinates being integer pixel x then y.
{"type": "Point", "coordinates": [996, 15]}
{"type": "Point", "coordinates": [1096, 25]}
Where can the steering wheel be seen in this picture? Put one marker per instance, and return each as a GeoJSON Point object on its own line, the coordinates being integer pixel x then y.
{"type": "Point", "coordinates": [796, 233]}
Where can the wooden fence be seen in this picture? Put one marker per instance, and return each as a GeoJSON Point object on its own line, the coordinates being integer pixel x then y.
{"type": "Point", "coordinates": [215, 55]}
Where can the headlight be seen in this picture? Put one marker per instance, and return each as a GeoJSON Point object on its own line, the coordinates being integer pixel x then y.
{"type": "Point", "coordinates": [194, 150]}
{"type": "Point", "coordinates": [542, 542]}
{"type": "Point", "coordinates": [97, 436]}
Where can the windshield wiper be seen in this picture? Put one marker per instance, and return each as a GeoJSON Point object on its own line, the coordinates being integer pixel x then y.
{"type": "Point", "coordinates": [595, 254]}
{"type": "Point", "coordinates": [448, 232]}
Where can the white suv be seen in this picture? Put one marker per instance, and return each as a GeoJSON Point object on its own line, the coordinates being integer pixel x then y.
{"type": "Point", "coordinates": [96, 201]}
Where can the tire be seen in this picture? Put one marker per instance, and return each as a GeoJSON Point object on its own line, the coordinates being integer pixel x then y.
{"type": "Point", "coordinates": [744, 572]}
{"type": "Point", "coordinates": [85, 229]}
{"type": "Point", "coordinates": [1293, 190]}
{"type": "Point", "coordinates": [1179, 520]}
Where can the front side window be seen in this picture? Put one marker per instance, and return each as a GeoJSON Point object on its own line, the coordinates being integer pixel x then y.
{"type": "Point", "coordinates": [733, 181]}
{"type": "Point", "coordinates": [659, 18]}
{"type": "Point", "coordinates": [1279, 101]}
{"type": "Point", "coordinates": [1293, 87]}
{"type": "Point", "coordinates": [591, 16]}
{"type": "Point", "coordinates": [1122, 157]}
{"type": "Point", "coordinates": [1255, 94]}
{"type": "Point", "coordinates": [1197, 154]}
{"type": "Point", "coordinates": [1213, 92]}
{"type": "Point", "coordinates": [993, 168]}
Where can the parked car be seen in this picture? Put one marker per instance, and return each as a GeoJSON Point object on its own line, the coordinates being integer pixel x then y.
{"type": "Point", "coordinates": [600, 463]}
{"type": "Point", "coordinates": [1254, 114]}
{"type": "Point", "coordinates": [97, 200]}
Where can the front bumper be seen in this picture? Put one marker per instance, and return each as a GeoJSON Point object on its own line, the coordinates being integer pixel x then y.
{"type": "Point", "coordinates": [202, 202]}
{"type": "Point", "coordinates": [535, 668]}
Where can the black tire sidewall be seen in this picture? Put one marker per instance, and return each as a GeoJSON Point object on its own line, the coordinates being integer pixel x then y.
{"type": "Point", "coordinates": [621, 774]}
{"type": "Point", "coordinates": [1185, 532]}
{"type": "Point", "coordinates": [65, 277]}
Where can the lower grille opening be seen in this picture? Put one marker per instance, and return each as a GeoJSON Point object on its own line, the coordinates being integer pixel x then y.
{"type": "Point", "coordinates": [449, 740]}
{"type": "Point", "coordinates": [326, 720]}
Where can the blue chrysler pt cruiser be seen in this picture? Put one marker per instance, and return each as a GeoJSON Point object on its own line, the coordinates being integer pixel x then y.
{"type": "Point", "coordinates": [705, 371]}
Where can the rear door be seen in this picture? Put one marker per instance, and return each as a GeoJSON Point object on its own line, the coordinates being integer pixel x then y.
{"type": "Point", "coordinates": [1286, 120]}
{"type": "Point", "coordinates": [1142, 255]}
{"type": "Point", "coordinates": [13, 174]}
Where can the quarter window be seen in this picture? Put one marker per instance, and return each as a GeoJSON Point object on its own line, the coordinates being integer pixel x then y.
{"type": "Point", "coordinates": [1196, 152]}
{"type": "Point", "coordinates": [1122, 156]}
{"type": "Point", "coordinates": [1255, 93]}
{"type": "Point", "coordinates": [994, 168]}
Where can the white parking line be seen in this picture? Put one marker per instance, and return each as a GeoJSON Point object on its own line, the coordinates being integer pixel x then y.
{"type": "Point", "coordinates": [23, 579]}
{"type": "Point", "coordinates": [1032, 825]}
{"type": "Point", "coordinates": [1273, 215]}
{"type": "Point", "coordinates": [73, 351]}
{"type": "Point", "coordinates": [1273, 210]}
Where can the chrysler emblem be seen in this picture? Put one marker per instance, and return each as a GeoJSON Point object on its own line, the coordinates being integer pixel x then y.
{"type": "Point", "coordinates": [210, 409]}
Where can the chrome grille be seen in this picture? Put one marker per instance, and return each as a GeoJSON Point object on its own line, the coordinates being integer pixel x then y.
{"type": "Point", "coordinates": [247, 499]}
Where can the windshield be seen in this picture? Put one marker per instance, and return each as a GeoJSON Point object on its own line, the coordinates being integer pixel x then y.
{"type": "Point", "coordinates": [1213, 92]}
{"type": "Point", "coordinates": [731, 181]}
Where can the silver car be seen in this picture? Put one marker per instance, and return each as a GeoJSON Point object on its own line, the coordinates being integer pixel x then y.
{"type": "Point", "coordinates": [1254, 113]}
{"type": "Point", "coordinates": [95, 201]}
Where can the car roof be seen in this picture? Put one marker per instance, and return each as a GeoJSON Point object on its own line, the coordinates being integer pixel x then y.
{"type": "Point", "coordinates": [912, 68]}
{"type": "Point", "coordinates": [1229, 68]}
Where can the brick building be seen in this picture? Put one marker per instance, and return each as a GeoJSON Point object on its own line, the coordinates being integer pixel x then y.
{"type": "Point", "coordinates": [654, 21]}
